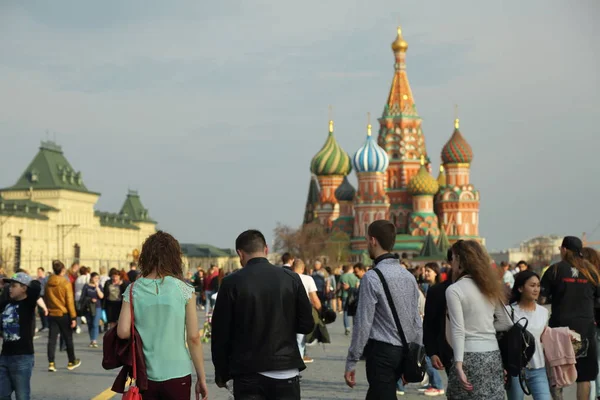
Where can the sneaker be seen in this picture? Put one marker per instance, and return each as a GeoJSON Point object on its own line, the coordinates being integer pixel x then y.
{"type": "Point", "coordinates": [307, 360]}
{"type": "Point", "coordinates": [73, 365]}
{"type": "Point", "coordinates": [95, 345]}
{"type": "Point", "coordinates": [432, 392]}
{"type": "Point", "coordinates": [423, 388]}
{"type": "Point", "coordinates": [78, 330]}
{"type": "Point", "coordinates": [314, 342]}
{"type": "Point", "coordinates": [83, 320]}
{"type": "Point", "coordinates": [347, 332]}
{"type": "Point", "coordinates": [399, 393]}
{"type": "Point", "coordinates": [51, 367]}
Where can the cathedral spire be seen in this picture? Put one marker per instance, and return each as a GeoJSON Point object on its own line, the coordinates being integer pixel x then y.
{"type": "Point", "coordinates": [400, 99]}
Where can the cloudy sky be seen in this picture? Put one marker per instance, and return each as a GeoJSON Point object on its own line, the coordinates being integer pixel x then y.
{"type": "Point", "coordinates": [213, 110]}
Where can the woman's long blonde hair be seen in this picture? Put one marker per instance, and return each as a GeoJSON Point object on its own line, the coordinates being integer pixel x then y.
{"type": "Point", "coordinates": [584, 264]}
{"type": "Point", "coordinates": [475, 261]}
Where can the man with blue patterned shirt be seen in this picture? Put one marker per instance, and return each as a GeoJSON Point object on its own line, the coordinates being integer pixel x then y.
{"type": "Point", "coordinates": [374, 326]}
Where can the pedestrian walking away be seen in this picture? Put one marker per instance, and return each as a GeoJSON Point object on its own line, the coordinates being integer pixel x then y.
{"type": "Point", "coordinates": [258, 312]}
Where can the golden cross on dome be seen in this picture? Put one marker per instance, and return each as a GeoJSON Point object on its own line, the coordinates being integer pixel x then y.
{"type": "Point", "coordinates": [456, 120]}
{"type": "Point", "coordinates": [330, 118]}
{"type": "Point", "coordinates": [368, 124]}
{"type": "Point", "coordinates": [422, 159]}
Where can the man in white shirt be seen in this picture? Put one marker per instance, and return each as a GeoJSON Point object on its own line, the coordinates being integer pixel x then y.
{"type": "Point", "coordinates": [311, 291]}
{"type": "Point", "coordinates": [507, 277]}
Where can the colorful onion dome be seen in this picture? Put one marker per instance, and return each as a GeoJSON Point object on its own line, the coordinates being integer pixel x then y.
{"type": "Point", "coordinates": [371, 157]}
{"type": "Point", "coordinates": [345, 192]}
{"type": "Point", "coordinates": [457, 150]}
{"type": "Point", "coordinates": [399, 44]}
{"type": "Point", "coordinates": [423, 183]}
{"type": "Point", "coordinates": [331, 159]}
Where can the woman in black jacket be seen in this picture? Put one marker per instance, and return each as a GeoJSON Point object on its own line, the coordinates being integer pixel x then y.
{"type": "Point", "coordinates": [113, 297]}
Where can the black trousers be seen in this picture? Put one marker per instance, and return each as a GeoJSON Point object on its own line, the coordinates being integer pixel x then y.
{"type": "Point", "coordinates": [60, 325]}
{"type": "Point", "coordinates": [259, 387]}
{"type": "Point", "coordinates": [384, 368]}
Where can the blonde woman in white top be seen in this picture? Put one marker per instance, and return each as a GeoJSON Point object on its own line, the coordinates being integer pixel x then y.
{"type": "Point", "coordinates": [523, 303]}
{"type": "Point", "coordinates": [473, 301]}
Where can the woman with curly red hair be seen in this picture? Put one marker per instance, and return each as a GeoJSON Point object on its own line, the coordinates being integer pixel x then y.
{"type": "Point", "coordinates": [164, 306]}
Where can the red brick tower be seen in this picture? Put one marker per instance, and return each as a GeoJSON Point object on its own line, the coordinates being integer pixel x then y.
{"type": "Point", "coordinates": [458, 201]}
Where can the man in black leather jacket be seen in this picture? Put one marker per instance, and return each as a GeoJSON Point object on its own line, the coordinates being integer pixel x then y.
{"type": "Point", "coordinates": [258, 312]}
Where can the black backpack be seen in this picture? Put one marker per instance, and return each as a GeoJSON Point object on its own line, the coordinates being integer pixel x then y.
{"type": "Point", "coordinates": [352, 301]}
{"type": "Point", "coordinates": [517, 346]}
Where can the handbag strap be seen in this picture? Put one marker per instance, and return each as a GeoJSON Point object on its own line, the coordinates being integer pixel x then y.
{"type": "Point", "coordinates": [390, 301]}
{"type": "Point", "coordinates": [133, 356]}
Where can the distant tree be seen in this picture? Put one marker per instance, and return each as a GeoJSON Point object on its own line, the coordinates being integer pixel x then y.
{"type": "Point", "coordinates": [286, 239]}
{"type": "Point", "coordinates": [337, 248]}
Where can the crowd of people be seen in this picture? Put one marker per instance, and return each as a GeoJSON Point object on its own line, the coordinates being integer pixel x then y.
{"type": "Point", "coordinates": [407, 322]}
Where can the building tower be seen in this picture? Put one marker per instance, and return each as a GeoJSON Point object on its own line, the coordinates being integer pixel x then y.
{"type": "Point", "coordinates": [331, 164]}
{"type": "Point", "coordinates": [423, 221]}
{"type": "Point", "coordinates": [312, 201]}
{"type": "Point", "coordinates": [401, 136]}
{"type": "Point", "coordinates": [345, 196]}
{"type": "Point", "coordinates": [371, 202]}
{"type": "Point", "coordinates": [458, 201]}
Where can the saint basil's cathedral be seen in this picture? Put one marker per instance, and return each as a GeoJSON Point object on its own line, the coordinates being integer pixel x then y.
{"type": "Point", "coordinates": [395, 181]}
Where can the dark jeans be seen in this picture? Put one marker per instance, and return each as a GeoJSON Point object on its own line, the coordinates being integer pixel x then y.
{"type": "Point", "coordinates": [62, 325]}
{"type": "Point", "coordinates": [383, 364]}
{"type": "Point", "coordinates": [15, 376]}
{"type": "Point", "coordinates": [259, 387]}
{"type": "Point", "coordinates": [173, 389]}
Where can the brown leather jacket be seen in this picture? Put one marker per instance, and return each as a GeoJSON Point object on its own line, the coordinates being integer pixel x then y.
{"type": "Point", "coordinates": [59, 297]}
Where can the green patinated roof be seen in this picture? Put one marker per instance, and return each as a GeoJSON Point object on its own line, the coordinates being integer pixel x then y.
{"type": "Point", "coordinates": [311, 201]}
{"type": "Point", "coordinates": [429, 248]}
{"type": "Point", "coordinates": [205, 251]}
{"type": "Point", "coordinates": [134, 209]}
{"type": "Point", "coordinates": [50, 170]}
{"type": "Point", "coordinates": [443, 243]}
{"type": "Point", "coordinates": [24, 209]}
{"type": "Point", "coordinates": [115, 220]}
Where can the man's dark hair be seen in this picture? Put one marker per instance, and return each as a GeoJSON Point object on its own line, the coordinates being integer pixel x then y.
{"type": "Point", "coordinates": [360, 266]}
{"type": "Point", "coordinates": [384, 232]}
{"type": "Point", "coordinates": [19, 270]}
{"type": "Point", "coordinates": [287, 257]}
{"type": "Point", "coordinates": [522, 262]}
{"type": "Point", "coordinates": [503, 264]}
{"type": "Point", "coordinates": [250, 241]}
{"type": "Point", "coordinates": [132, 264]}
{"type": "Point", "coordinates": [404, 255]}
{"type": "Point", "coordinates": [57, 267]}
{"type": "Point", "coordinates": [41, 269]}
{"type": "Point", "coordinates": [346, 268]}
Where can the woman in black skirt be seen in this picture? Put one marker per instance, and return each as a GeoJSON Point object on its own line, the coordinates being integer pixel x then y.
{"type": "Point", "coordinates": [572, 287]}
{"type": "Point", "coordinates": [113, 297]}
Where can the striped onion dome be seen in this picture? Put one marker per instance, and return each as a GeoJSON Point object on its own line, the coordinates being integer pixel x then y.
{"type": "Point", "coordinates": [457, 150]}
{"type": "Point", "coordinates": [371, 157]}
{"type": "Point", "coordinates": [345, 192]}
{"type": "Point", "coordinates": [331, 159]}
{"type": "Point", "coordinates": [423, 183]}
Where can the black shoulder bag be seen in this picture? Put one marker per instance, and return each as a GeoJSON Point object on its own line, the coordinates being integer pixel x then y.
{"type": "Point", "coordinates": [414, 365]}
{"type": "Point", "coordinates": [517, 346]}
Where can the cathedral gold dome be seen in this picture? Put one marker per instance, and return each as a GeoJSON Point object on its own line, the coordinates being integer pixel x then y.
{"type": "Point", "coordinates": [399, 44]}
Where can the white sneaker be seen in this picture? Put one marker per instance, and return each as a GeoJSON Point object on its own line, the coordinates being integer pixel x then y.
{"type": "Point", "coordinates": [83, 320]}
{"type": "Point", "coordinates": [78, 330]}
{"type": "Point", "coordinates": [399, 393]}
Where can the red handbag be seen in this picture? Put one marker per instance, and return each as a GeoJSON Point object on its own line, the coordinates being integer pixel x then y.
{"type": "Point", "coordinates": [133, 393]}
